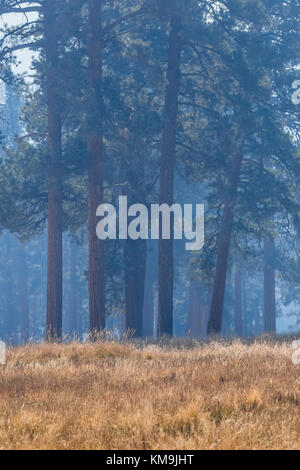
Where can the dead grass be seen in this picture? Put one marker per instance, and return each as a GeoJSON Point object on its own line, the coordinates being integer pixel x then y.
{"type": "Point", "coordinates": [118, 396]}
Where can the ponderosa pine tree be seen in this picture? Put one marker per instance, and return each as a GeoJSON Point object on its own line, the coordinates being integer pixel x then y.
{"type": "Point", "coordinates": [50, 11]}
{"type": "Point", "coordinates": [48, 14]}
{"type": "Point", "coordinates": [166, 182]}
{"type": "Point", "coordinates": [269, 286]}
{"type": "Point", "coordinates": [95, 167]}
{"type": "Point", "coordinates": [224, 239]}
{"type": "Point", "coordinates": [23, 295]}
{"type": "Point", "coordinates": [238, 304]}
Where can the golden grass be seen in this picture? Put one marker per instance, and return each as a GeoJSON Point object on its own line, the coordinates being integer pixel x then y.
{"type": "Point", "coordinates": [118, 396]}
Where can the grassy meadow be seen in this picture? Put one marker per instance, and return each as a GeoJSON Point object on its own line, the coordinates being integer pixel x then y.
{"type": "Point", "coordinates": [117, 396]}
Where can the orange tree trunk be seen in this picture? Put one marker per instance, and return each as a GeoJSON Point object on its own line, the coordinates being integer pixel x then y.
{"type": "Point", "coordinates": [166, 190]}
{"type": "Point", "coordinates": [74, 301]}
{"type": "Point", "coordinates": [148, 313]}
{"type": "Point", "coordinates": [217, 304]}
{"type": "Point", "coordinates": [198, 310]}
{"type": "Point", "coordinates": [269, 287]}
{"type": "Point", "coordinates": [23, 293]}
{"type": "Point", "coordinates": [238, 313]}
{"type": "Point", "coordinates": [54, 271]}
{"type": "Point", "coordinates": [95, 169]}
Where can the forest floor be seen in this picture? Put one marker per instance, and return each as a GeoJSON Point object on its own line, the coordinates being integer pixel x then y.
{"type": "Point", "coordinates": [120, 396]}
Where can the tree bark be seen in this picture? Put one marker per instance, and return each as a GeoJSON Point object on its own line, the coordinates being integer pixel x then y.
{"type": "Point", "coordinates": [135, 251]}
{"type": "Point", "coordinates": [23, 293]}
{"type": "Point", "coordinates": [55, 263]}
{"type": "Point", "coordinates": [73, 327]}
{"type": "Point", "coordinates": [166, 190]}
{"type": "Point", "coordinates": [238, 311]}
{"type": "Point", "coordinates": [95, 171]}
{"type": "Point", "coordinates": [10, 317]}
{"type": "Point", "coordinates": [135, 266]}
{"type": "Point", "coordinates": [269, 286]}
{"type": "Point", "coordinates": [217, 303]}
{"type": "Point", "coordinates": [198, 311]}
{"type": "Point", "coordinates": [148, 311]}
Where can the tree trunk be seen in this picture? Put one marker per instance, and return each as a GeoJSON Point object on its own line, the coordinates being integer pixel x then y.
{"type": "Point", "coordinates": [217, 303]}
{"type": "Point", "coordinates": [10, 318]}
{"type": "Point", "coordinates": [135, 266]}
{"type": "Point", "coordinates": [166, 190]}
{"type": "Point", "coordinates": [198, 312]}
{"type": "Point", "coordinates": [95, 172]}
{"type": "Point", "coordinates": [73, 326]}
{"type": "Point", "coordinates": [135, 251]}
{"type": "Point", "coordinates": [238, 311]}
{"type": "Point", "coordinates": [148, 313]}
{"type": "Point", "coordinates": [55, 263]}
{"type": "Point", "coordinates": [269, 286]}
{"type": "Point", "coordinates": [23, 293]}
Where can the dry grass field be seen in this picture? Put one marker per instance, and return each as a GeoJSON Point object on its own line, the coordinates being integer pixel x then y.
{"type": "Point", "coordinates": [118, 396]}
